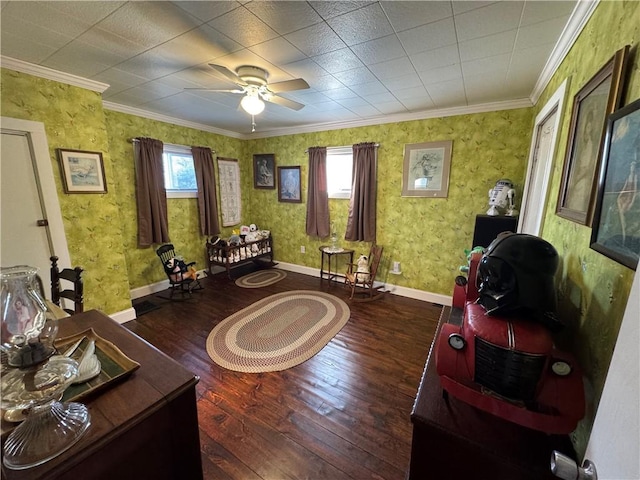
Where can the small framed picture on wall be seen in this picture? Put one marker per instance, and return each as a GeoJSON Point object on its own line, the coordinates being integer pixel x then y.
{"type": "Point", "coordinates": [82, 172]}
{"type": "Point", "coordinates": [289, 189]}
{"type": "Point", "coordinates": [264, 171]}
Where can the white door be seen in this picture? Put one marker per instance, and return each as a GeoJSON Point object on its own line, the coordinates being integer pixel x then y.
{"type": "Point", "coordinates": [28, 196]}
{"type": "Point", "coordinates": [545, 134]}
{"type": "Point", "coordinates": [615, 437]}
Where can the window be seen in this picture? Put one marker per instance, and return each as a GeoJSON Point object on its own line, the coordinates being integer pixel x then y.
{"type": "Point", "coordinates": [179, 174]}
{"type": "Point", "coordinates": [339, 171]}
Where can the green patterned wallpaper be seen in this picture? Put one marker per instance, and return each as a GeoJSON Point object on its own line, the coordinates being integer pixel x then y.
{"type": "Point", "coordinates": [593, 289]}
{"type": "Point", "coordinates": [414, 230]}
{"type": "Point", "coordinates": [428, 236]}
{"type": "Point", "coordinates": [184, 224]}
{"type": "Point", "coordinates": [73, 118]}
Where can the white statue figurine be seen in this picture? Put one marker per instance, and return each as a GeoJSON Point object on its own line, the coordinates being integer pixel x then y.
{"type": "Point", "coordinates": [502, 197]}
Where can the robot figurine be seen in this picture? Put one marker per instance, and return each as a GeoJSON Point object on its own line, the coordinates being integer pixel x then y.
{"type": "Point", "coordinates": [502, 197]}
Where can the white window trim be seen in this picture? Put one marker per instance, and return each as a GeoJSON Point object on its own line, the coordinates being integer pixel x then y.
{"type": "Point", "coordinates": [341, 151]}
{"type": "Point", "coordinates": [180, 150]}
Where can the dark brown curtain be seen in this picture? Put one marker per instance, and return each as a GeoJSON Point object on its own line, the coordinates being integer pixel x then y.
{"type": "Point", "coordinates": [153, 225]}
{"type": "Point", "coordinates": [207, 198]}
{"type": "Point", "coordinates": [361, 224]}
{"type": "Point", "coordinates": [317, 195]}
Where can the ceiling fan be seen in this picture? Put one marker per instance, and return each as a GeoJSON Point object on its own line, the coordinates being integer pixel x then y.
{"type": "Point", "coordinates": [255, 88]}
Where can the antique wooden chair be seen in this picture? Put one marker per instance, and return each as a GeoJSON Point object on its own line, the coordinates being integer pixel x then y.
{"type": "Point", "coordinates": [182, 276]}
{"type": "Point", "coordinates": [362, 284]}
{"type": "Point", "coordinates": [73, 292]}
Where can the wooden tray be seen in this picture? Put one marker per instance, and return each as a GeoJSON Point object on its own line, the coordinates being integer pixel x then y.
{"type": "Point", "coordinates": [115, 365]}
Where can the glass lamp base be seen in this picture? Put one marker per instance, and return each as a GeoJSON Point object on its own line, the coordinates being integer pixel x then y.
{"type": "Point", "coordinates": [48, 431]}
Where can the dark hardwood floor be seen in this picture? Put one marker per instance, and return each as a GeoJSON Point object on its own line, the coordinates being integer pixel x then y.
{"type": "Point", "coordinates": [345, 413]}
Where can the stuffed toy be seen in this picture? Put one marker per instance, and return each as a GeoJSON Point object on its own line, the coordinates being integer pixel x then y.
{"type": "Point", "coordinates": [362, 269]}
{"type": "Point", "coordinates": [468, 253]}
{"type": "Point", "coordinates": [179, 271]}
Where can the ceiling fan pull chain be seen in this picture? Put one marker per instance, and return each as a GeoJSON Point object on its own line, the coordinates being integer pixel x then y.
{"type": "Point", "coordinates": [253, 123]}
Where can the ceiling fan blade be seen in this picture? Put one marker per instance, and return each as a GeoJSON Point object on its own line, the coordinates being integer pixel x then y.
{"type": "Point", "coordinates": [228, 73]}
{"type": "Point", "coordinates": [215, 90]}
{"type": "Point", "coordinates": [285, 102]}
{"type": "Point", "coordinates": [288, 85]}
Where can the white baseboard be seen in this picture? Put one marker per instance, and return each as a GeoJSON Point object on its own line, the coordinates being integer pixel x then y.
{"type": "Point", "coordinates": [391, 288]}
{"type": "Point", "coordinates": [124, 315]}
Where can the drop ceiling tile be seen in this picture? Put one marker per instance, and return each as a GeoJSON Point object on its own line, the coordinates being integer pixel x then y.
{"type": "Point", "coordinates": [316, 39]}
{"type": "Point", "coordinates": [332, 9]}
{"type": "Point", "coordinates": [488, 65]}
{"type": "Point", "coordinates": [149, 23]}
{"type": "Point", "coordinates": [410, 92]}
{"type": "Point", "coordinates": [539, 33]}
{"type": "Point", "coordinates": [298, 15]}
{"type": "Point", "coordinates": [376, 98]}
{"type": "Point", "coordinates": [488, 46]}
{"type": "Point", "coordinates": [306, 68]}
{"type": "Point", "coordinates": [460, 6]}
{"type": "Point", "coordinates": [16, 26]}
{"type": "Point", "coordinates": [118, 80]}
{"type": "Point", "coordinates": [364, 111]}
{"type": "Point", "coordinates": [338, 61]}
{"type": "Point", "coordinates": [379, 50]}
{"type": "Point", "coordinates": [42, 15]}
{"type": "Point", "coordinates": [81, 59]}
{"type": "Point", "coordinates": [361, 25]}
{"type": "Point", "coordinates": [416, 104]}
{"type": "Point", "coordinates": [25, 49]}
{"type": "Point", "coordinates": [339, 93]}
{"type": "Point", "coordinates": [439, 57]}
{"type": "Point", "coordinates": [538, 11]}
{"type": "Point", "coordinates": [428, 37]}
{"type": "Point", "coordinates": [406, 15]}
{"type": "Point", "coordinates": [109, 42]}
{"type": "Point", "coordinates": [278, 51]}
{"type": "Point", "coordinates": [393, 68]}
{"type": "Point", "coordinates": [447, 94]}
{"type": "Point", "coordinates": [243, 27]}
{"type": "Point", "coordinates": [89, 12]}
{"type": "Point", "coordinates": [207, 11]}
{"type": "Point", "coordinates": [495, 18]}
{"type": "Point", "coordinates": [370, 88]}
{"type": "Point", "coordinates": [353, 102]}
{"type": "Point", "coordinates": [405, 81]}
{"type": "Point", "coordinates": [152, 65]}
{"type": "Point", "coordinates": [441, 74]}
{"type": "Point", "coordinates": [390, 108]}
{"type": "Point", "coordinates": [326, 82]}
{"type": "Point", "coordinates": [357, 76]}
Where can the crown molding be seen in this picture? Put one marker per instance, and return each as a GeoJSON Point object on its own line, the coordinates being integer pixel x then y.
{"type": "Point", "coordinates": [51, 74]}
{"type": "Point", "coordinates": [403, 117]}
{"type": "Point", "coordinates": [579, 18]}
{"type": "Point", "coordinates": [138, 112]}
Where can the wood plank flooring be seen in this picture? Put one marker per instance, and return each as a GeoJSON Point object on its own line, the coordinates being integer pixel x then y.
{"type": "Point", "coordinates": [345, 413]}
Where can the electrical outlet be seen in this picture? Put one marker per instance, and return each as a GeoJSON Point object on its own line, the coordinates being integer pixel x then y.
{"type": "Point", "coordinates": [303, 249]}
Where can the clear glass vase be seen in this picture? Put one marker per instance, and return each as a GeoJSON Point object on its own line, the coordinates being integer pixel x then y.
{"type": "Point", "coordinates": [27, 336]}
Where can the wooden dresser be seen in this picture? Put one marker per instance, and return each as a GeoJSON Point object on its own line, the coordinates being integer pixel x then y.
{"type": "Point", "coordinates": [145, 426]}
{"type": "Point", "coordinates": [456, 441]}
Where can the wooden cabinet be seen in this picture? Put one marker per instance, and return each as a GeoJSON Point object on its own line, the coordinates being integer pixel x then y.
{"type": "Point", "coordinates": [145, 426]}
{"type": "Point", "coordinates": [456, 441]}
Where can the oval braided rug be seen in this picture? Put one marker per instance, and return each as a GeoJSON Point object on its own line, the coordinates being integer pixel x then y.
{"type": "Point", "coordinates": [277, 332]}
{"type": "Point", "coordinates": [261, 278]}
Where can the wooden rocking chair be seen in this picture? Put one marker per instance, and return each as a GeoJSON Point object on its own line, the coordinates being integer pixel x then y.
{"type": "Point", "coordinates": [362, 283]}
{"type": "Point", "coordinates": [182, 276]}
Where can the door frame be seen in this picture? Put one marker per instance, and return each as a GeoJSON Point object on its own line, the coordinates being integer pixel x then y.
{"type": "Point", "coordinates": [556, 102]}
{"type": "Point", "coordinates": [39, 146]}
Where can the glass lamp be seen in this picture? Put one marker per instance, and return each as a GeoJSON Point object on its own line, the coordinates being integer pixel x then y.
{"type": "Point", "coordinates": [252, 104]}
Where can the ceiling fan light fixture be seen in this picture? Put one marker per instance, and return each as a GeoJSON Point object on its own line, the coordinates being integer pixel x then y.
{"type": "Point", "coordinates": [252, 104]}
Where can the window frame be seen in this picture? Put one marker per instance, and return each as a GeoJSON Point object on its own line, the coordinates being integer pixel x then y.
{"type": "Point", "coordinates": [169, 149]}
{"type": "Point", "coordinates": [341, 152]}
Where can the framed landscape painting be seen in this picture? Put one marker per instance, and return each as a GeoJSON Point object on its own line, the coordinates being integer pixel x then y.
{"type": "Point", "coordinates": [82, 171]}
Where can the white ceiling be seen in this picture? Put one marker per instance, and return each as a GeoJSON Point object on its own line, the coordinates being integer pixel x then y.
{"type": "Point", "coordinates": [366, 62]}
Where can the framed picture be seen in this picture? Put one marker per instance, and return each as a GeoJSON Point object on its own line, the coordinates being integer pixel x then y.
{"type": "Point", "coordinates": [616, 222]}
{"type": "Point", "coordinates": [426, 169]}
{"type": "Point", "coordinates": [598, 98]}
{"type": "Point", "coordinates": [264, 171]}
{"type": "Point", "coordinates": [289, 185]}
{"type": "Point", "coordinates": [82, 172]}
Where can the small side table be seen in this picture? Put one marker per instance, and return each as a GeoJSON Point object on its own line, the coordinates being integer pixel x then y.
{"type": "Point", "coordinates": [328, 253]}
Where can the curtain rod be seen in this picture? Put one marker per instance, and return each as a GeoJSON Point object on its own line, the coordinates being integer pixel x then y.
{"type": "Point", "coordinates": [343, 146]}
{"type": "Point", "coordinates": [135, 140]}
